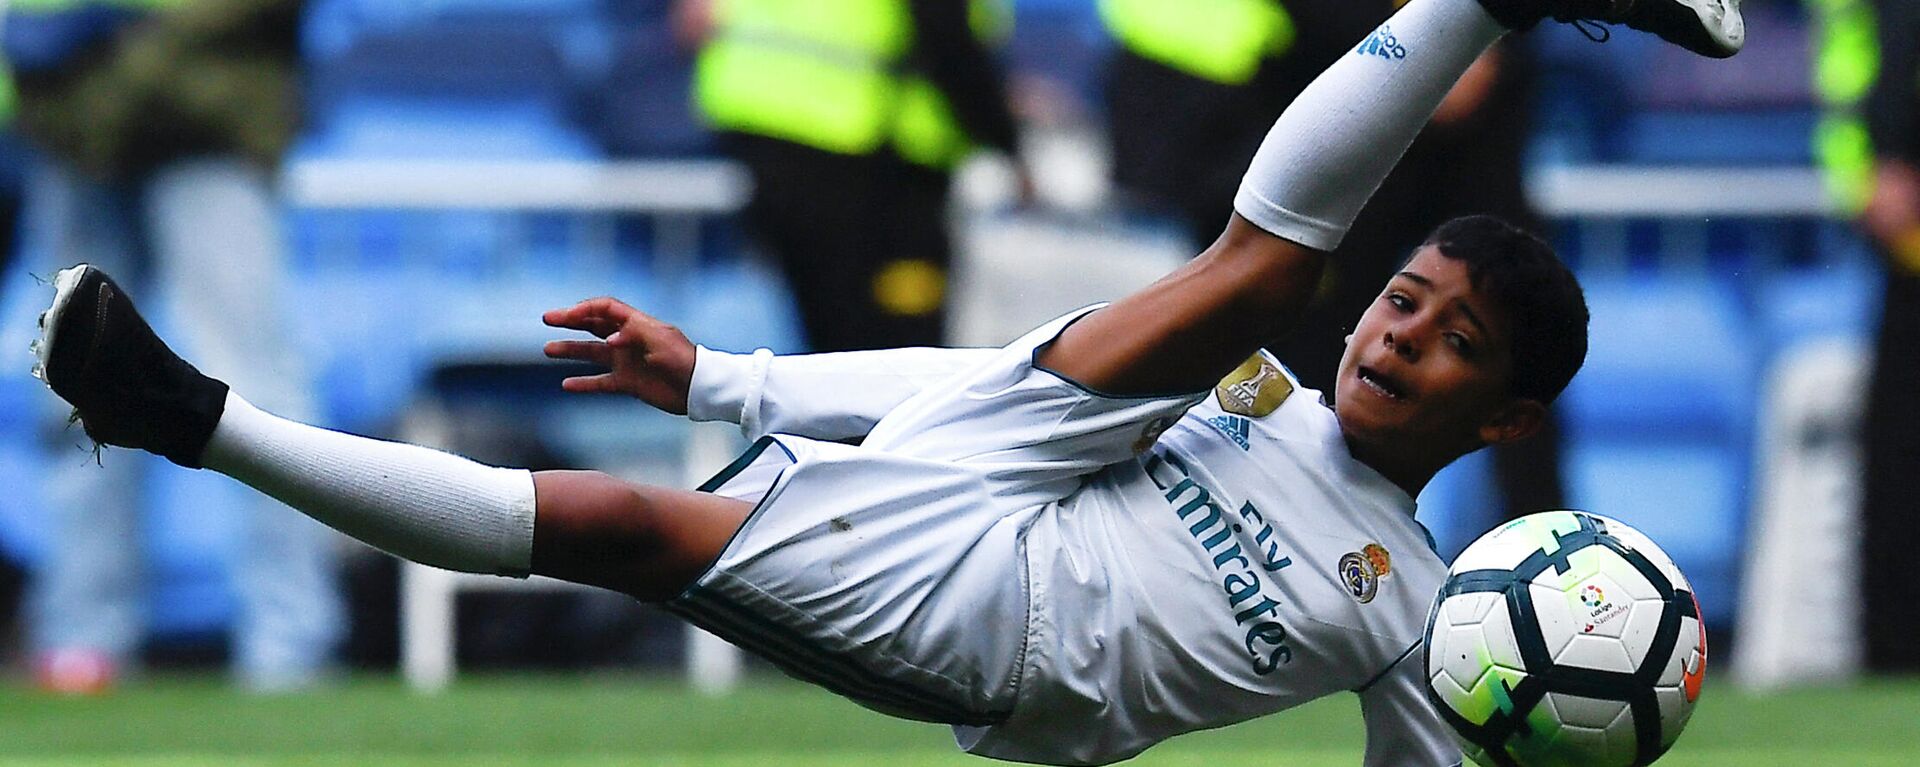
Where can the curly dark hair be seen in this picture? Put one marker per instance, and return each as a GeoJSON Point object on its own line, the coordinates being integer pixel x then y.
{"type": "Point", "coordinates": [1544, 302]}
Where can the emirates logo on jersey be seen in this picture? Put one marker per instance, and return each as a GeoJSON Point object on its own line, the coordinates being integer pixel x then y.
{"type": "Point", "coordinates": [1246, 578]}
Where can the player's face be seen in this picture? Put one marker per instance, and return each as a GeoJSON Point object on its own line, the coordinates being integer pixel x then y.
{"type": "Point", "coordinates": [1428, 366]}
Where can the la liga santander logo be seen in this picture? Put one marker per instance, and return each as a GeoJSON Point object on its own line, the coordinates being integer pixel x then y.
{"type": "Point", "coordinates": [1592, 596]}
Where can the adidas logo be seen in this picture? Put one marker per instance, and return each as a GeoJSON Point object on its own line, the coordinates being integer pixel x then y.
{"type": "Point", "coordinates": [1382, 43]}
{"type": "Point", "coordinates": [1235, 427]}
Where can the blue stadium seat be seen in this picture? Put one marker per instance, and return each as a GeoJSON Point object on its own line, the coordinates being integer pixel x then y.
{"type": "Point", "coordinates": [23, 530]}
{"type": "Point", "coordinates": [1767, 137]}
{"type": "Point", "coordinates": [361, 331]}
{"type": "Point", "coordinates": [194, 532]}
{"type": "Point", "coordinates": [1636, 99]}
{"type": "Point", "coordinates": [1685, 109]}
{"type": "Point", "coordinates": [453, 77]}
{"type": "Point", "coordinates": [24, 402]}
{"type": "Point", "coordinates": [1460, 504]}
{"type": "Point", "coordinates": [1659, 422]}
{"type": "Point", "coordinates": [331, 27]}
{"type": "Point", "coordinates": [742, 306]}
{"type": "Point", "coordinates": [643, 106]}
{"type": "Point", "coordinates": [1580, 94]}
{"type": "Point", "coordinates": [1839, 297]}
{"type": "Point", "coordinates": [464, 59]}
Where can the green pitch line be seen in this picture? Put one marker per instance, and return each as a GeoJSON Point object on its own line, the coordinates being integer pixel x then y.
{"type": "Point", "coordinates": [624, 720]}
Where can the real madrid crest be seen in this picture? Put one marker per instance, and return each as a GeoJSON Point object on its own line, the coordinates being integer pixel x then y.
{"type": "Point", "coordinates": [1255, 389]}
{"type": "Point", "coordinates": [1361, 571]}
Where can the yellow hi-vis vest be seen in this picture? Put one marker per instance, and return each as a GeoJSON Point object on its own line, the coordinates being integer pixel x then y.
{"type": "Point", "coordinates": [57, 6]}
{"type": "Point", "coordinates": [1846, 62]}
{"type": "Point", "coordinates": [1219, 40]}
{"type": "Point", "coordinates": [828, 74]}
{"type": "Point", "coordinates": [9, 98]}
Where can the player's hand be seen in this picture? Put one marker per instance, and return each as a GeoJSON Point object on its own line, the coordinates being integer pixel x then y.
{"type": "Point", "coordinates": [647, 359]}
{"type": "Point", "coordinates": [692, 22]}
{"type": "Point", "coordinates": [1892, 215]}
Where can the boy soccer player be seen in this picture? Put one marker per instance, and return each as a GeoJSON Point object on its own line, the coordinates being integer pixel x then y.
{"type": "Point", "coordinates": [1124, 526]}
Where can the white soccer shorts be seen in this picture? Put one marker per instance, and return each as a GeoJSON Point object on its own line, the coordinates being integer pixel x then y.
{"type": "Point", "coordinates": [892, 572]}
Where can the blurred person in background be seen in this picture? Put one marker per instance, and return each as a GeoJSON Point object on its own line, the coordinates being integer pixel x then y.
{"type": "Point", "coordinates": [1189, 91]}
{"type": "Point", "coordinates": [1192, 87]}
{"type": "Point", "coordinates": [12, 172]}
{"type": "Point", "coordinates": [12, 162]}
{"type": "Point", "coordinates": [160, 123]}
{"type": "Point", "coordinates": [851, 116]}
{"type": "Point", "coordinates": [1879, 164]}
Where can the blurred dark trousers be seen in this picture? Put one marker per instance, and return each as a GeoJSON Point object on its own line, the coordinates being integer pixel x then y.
{"type": "Point", "coordinates": [1890, 523]}
{"type": "Point", "coordinates": [863, 241]}
{"type": "Point", "coordinates": [9, 226]}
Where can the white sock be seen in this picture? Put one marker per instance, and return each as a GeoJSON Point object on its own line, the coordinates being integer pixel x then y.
{"type": "Point", "coordinates": [1331, 149]}
{"type": "Point", "coordinates": [418, 503]}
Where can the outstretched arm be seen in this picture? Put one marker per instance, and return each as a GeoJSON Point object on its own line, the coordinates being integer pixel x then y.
{"type": "Point", "coordinates": [1322, 160]}
{"type": "Point", "coordinates": [835, 396]}
{"type": "Point", "coordinates": [1190, 328]}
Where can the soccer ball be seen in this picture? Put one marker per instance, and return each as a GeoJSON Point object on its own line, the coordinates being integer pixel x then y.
{"type": "Point", "coordinates": [1565, 638]}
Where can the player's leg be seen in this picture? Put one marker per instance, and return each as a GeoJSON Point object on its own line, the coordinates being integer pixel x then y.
{"type": "Point", "coordinates": [130, 390]}
{"type": "Point", "coordinates": [446, 511]}
{"type": "Point", "coordinates": [645, 541]}
{"type": "Point", "coordinates": [1310, 178]}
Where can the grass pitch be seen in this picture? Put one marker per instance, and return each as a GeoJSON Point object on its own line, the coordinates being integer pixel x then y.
{"type": "Point", "coordinates": [620, 719]}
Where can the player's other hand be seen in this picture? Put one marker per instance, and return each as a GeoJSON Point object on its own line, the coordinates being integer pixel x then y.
{"type": "Point", "coordinates": [646, 358]}
{"type": "Point", "coordinates": [1892, 215]}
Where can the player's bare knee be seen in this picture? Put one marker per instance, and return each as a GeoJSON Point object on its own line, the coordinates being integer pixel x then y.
{"type": "Point", "coordinates": [593, 525]}
{"type": "Point", "coordinates": [646, 542]}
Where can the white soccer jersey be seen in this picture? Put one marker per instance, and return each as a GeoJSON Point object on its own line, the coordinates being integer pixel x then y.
{"type": "Point", "coordinates": [1259, 566]}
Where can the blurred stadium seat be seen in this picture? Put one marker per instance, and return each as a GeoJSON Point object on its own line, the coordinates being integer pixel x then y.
{"type": "Point", "coordinates": [1689, 110]}
{"type": "Point", "coordinates": [451, 78]}
{"type": "Point", "coordinates": [643, 106]}
{"type": "Point", "coordinates": [1460, 504]}
{"type": "Point", "coordinates": [1758, 137]}
{"type": "Point", "coordinates": [193, 521]}
{"type": "Point", "coordinates": [1659, 420]}
{"type": "Point", "coordinates": [22, 401]}
{"type": "Point", "coordinates": [1836, 298]}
